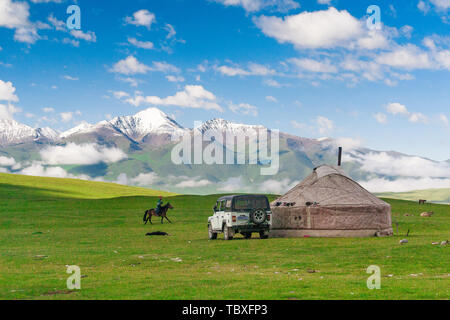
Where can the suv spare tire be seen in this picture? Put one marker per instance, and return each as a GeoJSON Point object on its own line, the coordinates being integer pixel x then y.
{"type": "Point", "coordinates": [258, 216]}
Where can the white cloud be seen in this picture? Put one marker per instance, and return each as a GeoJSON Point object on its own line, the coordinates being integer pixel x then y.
{"type": "Point", "coordinates": [380, 117]}
{"type": "Point", "coordinates": [7, 112]}
{"type": "Point", "coordinates": [193, 96]}
{"type": "Point", "coordinates": [87, 36]}
{"type": "Point", "coordinates": [70, 78]}
{"type": "Point", "coordinates": [145, 179]}
{"type": "Point", "coordinates": [348, 144]}
{"type": "Point", "coordinates": [418, 117]}
{"type": "Point", "coordinates": [271, 99]}
{"type": "Point", "coordinates": [175, 78]}
{"type": "Point", "coordinates": [397, 108]}
{"type": "Point", "coordinates": [404, 184]}
{"type": "Point", "coordinates": [404, 166]}
{"type": "Point", "coordinates": [324, 125]}
{"type": "Point", "coordinates": [7, 91]}
{"type": "Point", "coordinates": [7, 162]}
{"type": "Point", "coordinates": [48, 110]}
{"type": "Point", "coordinates": [66, 116]}
{"type": "Point", "coordinates": [244, 108]}
{"type": "Point", "coordinates": [83, 154]}
{"type": "Point", "coordinates": [423, 6]}
{"type": "Point", "coordinates": [441, 4]}
{"type": "Point", "coordinates": [170, 31]}
{"type": "Point", "coordinates": [195, 182]}
{"type": "Point", "coordinates": [15, 15]}
{"type": "Point", "coordinates": [276, 186]}
{"type": "Point", "coordinates": [141, 18]}
{"type": "Point", "coordinates": [254, 69]}
{"type": "Point", "coordinates": [131, 66]}
{"type": "Point", "coordinates": [120, 94]}
{"type": "Point", "coordinates": [314, 65]}
{"type": "Point", "coordinates": [256, 5]}
{"type": "Point", "coordinates": [141, 44]}
{"type": "Point", "coordinates": [444, 120]}
{"type": "Point", "coordinates": [311, 30]}
{"type": "Point", "coordinates": [406, 57]}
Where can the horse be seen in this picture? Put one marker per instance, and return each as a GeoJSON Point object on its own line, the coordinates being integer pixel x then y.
{"type": "Point", "coordinates": [422, 201]}
{"type": "Point", "coordinates": [162, 213]}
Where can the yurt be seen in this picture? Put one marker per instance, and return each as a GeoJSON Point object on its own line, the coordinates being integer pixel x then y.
{"type": "Point", "coordinates": [330, 204]}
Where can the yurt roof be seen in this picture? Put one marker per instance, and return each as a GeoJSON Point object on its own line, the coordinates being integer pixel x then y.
{"type": "Point", "coordinates": [329, 186]}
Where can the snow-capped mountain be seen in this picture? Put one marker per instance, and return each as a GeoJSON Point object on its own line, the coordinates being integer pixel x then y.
{"type": "Point", "coordinates": [149, 121]}
{"type": "Point", "coordinates": [46, 133]}
{"type": "Point", "coordinates": [13, 132]}
{"type": "Point", "coordinates": [136, 127]}
{"type": "Point", "coordinates": [82, 127]}
{"type": "Point", "coordinates": [221, 125]}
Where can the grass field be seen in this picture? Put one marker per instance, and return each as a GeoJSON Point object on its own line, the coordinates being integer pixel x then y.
{"type": "Point", "coordinates": [47, 224]}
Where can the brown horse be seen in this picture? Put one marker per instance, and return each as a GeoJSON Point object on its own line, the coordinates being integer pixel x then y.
{"type": "Point", "coordinates": [152, 212]}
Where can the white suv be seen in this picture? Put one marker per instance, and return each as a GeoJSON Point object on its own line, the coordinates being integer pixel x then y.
{"type": "Point", "coordinates": [243, 214]}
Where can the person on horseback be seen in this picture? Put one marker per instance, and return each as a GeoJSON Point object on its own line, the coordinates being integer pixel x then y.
{"type": "Point", "coordinates": [158, 206]}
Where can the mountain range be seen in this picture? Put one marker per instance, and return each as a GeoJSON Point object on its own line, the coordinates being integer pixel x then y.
{"type": "Point", "coordinates": [136, 149]}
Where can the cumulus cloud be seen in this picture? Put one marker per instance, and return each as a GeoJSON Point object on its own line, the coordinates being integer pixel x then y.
{"type": "Point", "coordinates": [244, 108]}
{"type": "Point", "coordinates": [380, 117]}
{"type": "Point", "coordinates": [253, 69]}
{"type": "Point", "coordinates": [397, 108]}
{"type": "Point", "coordinates": [87, 36]}
{"type": "Point", "coordinates": [195, 182]}
{"type": "Point", "coordinates": [404, 184]}
{"type": "Point", "coordinates": [141, 18]}
{"type": "Point", "coordinates": [15, 15]}
{"type": "Point", "coordinates": [312, 30]}
{"type": "Point", "coordinates": [257, 5]}
{"type": "Point", "coordinates": [7, 111]}
{"type": "Point", "coordinates": [83, 154]}
{"type": "Point", "coordinates": [141, 44]}
{"type": "Point", "coordinates": [131, 66]}
{"type": "Point", "coordinates": [314, 66]}
{"type": "Point", "coordinates": [324, 125]}
{"type": "Point", "coordinates": [7, 92]}
{"type": "Point", "coordinates": [145, 179]}
{"type": "Point", "coordinates": [405, 166]}
{"type": "Point", "coordinates": [37, 169]}
{"type": "Point", "coordinates": [7, 162]}
{"type": "Point", "coordinates": [172, 78]}
{"type": "Point", "coordinates": [193, 96]}
{"type": "Point", "coordinates": [406, 57]}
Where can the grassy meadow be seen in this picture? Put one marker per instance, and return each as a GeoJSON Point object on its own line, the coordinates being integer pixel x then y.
{"type": "Point", "coordinates": [47, 224]}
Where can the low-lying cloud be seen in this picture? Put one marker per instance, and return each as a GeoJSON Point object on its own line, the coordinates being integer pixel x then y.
{"type": "Point", "coordinates": [83, 154]}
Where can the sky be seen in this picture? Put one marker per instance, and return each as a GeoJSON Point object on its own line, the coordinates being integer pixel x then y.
{"type": "Point", "coordinates": [310, 68]}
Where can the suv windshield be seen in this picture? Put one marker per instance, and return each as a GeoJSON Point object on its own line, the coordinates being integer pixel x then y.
{"type": "Point", "coordinates": [250, 203]}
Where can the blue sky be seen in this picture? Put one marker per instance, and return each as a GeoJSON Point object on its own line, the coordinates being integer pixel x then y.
{"type": "Point", "coordinates": [310, 68]}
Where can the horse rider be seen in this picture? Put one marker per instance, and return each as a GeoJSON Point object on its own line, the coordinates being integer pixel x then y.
{"type": "Point", "coordinates": [159, 205]}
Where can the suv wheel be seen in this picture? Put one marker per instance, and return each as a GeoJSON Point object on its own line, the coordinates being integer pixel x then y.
{"type": "Point", "coordinates": [212, 235]}
{"type": "Point", "coordinates": [263, 235]}
{"type": "Point", "coordinates": [228, 233]}
{"type": "Point", "coordinates": [258, 216]}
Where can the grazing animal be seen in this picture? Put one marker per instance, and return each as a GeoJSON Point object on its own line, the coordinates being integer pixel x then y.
{"type": "Point", "coordinates": [404, 241]}
{"type": "Point", "coordinates": [426, 214]}
{"type": "Point", "coordinates": [422, 201]}
{"type": "Point", "coordinates": [163, 214]}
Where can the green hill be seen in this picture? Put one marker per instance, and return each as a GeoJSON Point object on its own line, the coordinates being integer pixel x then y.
{"type": "Point", "coordinates": [431, 195]}
{"type": "Point", "coordinates": [12, 186]}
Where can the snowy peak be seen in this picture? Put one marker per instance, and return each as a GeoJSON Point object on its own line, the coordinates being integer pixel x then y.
{"type": "Point", "coordinates": [221, 125]}
{"type": "Point", "coordinates": [82, 127]}
{"type": "Point", "coordinates": [12, 131]}
{"type": "Point", "coordinates": [149, 121]}
{"type": "Point", "coordinates": [46, 133]}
